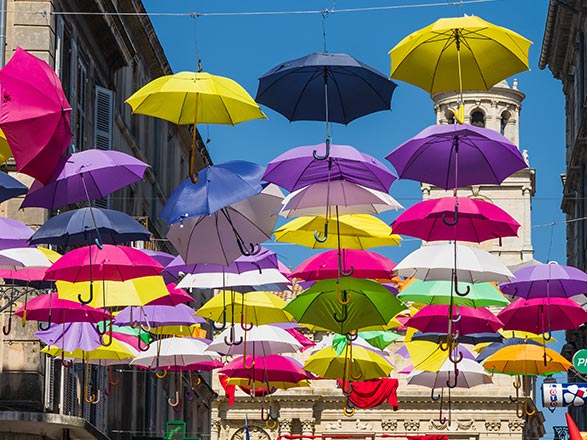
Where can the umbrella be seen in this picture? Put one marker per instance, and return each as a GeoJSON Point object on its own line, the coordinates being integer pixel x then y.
{"type": "Point", "coordinates": [116, 351]}
{"type": "Point", "coordinates": [429, 356]}
{"type": "Point", "coordinates": [356, 231]}
{"type": "Point", "coordinates": [5, 152]}
{"type": "Point", "coordinates": [150, 316]}
{"type": "Point", "coordinates": [49, 308]}
{"type": "Point", "coordinates": [13, 234]}
{"type": "Point", "coordinates": [176, 296]}
{"type": "Point", "coordinates": [84, 176]}
{"type": "Point", "coordinates": [546, 280]}
{"type": "Point", "coordinates": [495, 346]}
{"type": "Point", "coordinates": [114, 263]}
{"type": "Point", "coordinates": [440, 292]}
{"type": "Point", "coordinates": [473, 338]}
{"type": "Point", "coordinates": [260, 340]}
{"type": "Point", "coordinates": [452, 155]}
{"type": "Point", "coordinates": [71, 336]}
{"type": "Point", "coordinates": [213, 280]}
{"type": "Point", "coordinates": [340, 342]}
{"type": "Point", "coordinates": [359, 263]}
{"type": "Point", "coordinates": [176, 352]}
{"type": "Point", "coordinates": [24, 257]}
{"type": "Point", "coordinates": [379, 338]}
{"type": "Point", "coordinates": [468, 320]}
{"type": "Point", "coordinates": [83, 226]}
{"type": "Point", "coordinates": [526, 359]}
{"type": "Point", "coordinates": [543, 315]}
{"type": "Point", "coordinates": [163, 258]}
{"type": "Point", "coordinates": [436, 219]}
{"type": "Point", "coordinates": [233, 231]}
{"type": "Point", "coordinates": [350, 198]}
{"type": "Point", "coordinates": [34, 114]}
{"type": "Point", "coordinates": [345, 305]}
{"type": "Point", "coordinates": [437, 262]}
{"type": "Point", "coordinates": [271, 368]}
{"type": "Point", "coordinates": [9, 186]}
{"type": "Point", "coordinates": [326, 87]}
{"type": "Point", "coordinates": [195, 98]}
{"type": "Point", "coordinates": [298, 168]}
{"type": "Point", "coordinates": [470, 375]}
{"type": "Point", "coordinates": [218, 187]}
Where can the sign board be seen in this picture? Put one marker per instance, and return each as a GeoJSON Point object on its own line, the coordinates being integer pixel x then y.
{"type": "Point", "coordinates": [563, 394]}
{"type": "Point", "coordinates": [580, 361]}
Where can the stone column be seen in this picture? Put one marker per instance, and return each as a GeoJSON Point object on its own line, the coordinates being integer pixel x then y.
{"type": "Point", "coordinates": [216, 428]}
{"type": "Point", "coordinates": [308, 426]}
{"type": "Point", "coordinates": [285, 426]}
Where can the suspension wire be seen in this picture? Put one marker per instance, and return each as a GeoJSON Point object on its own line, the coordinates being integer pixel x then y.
{"type": "Point", "coordinates": [324, 17]}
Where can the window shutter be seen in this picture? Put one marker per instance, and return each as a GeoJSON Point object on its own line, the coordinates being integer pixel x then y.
{"type": "Point", "coordinates": [103, 119]}
{"type": "Point", "coordinates": [49, 382]}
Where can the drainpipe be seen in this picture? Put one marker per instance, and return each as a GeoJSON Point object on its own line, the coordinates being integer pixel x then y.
{"type": "Point", "coordinates": [155, 174]}
{"type": "Point", "coordinates": [2, 32]}
{"type": "Point", "coordinates": [581, 224]}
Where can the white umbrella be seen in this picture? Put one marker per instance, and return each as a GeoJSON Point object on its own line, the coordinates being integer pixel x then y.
{"type": "Point", "coordinates": [437, 262]}
{"type": "Point", "coordinates": [20, 258]}
{"type": "Point", "coordinates": [172, 352]}
{"type": "Point", "coordinates": [261, 340]}
{"type": "Point", "coordinates": [222, 237]}
{"type": "Point", "coordinates": [217, 280]}
{"type": "Point", "coordinates": [470, 375]}
{"type": "Point", "coordinates": [350, 198]}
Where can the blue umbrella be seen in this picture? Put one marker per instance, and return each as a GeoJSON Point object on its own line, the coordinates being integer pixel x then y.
{"type": "Point", "coordinates": [330, 87]}
{"type": "Point", "coordinates": [82, 226]}
{"type": "Point", "coordinates": [474, 338]}
{"type": "Point", "coordinates": [495, 346]}
{"type": "Point", "coordinates": [10, 187]}
{"type": "Point", "coordinates": [218, 186]}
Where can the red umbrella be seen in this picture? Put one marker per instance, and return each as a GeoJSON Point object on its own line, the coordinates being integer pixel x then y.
{"type": "Point", "coordinates": [272, 368]}
{"type": "Point", "coordinates": [465, 321]}
{"type": "Point", "coordinates": [34, 114]}
{"type": "Point", "coordinates": [49, 308]}
{"type": "Point", "coordinates": [176, 296]}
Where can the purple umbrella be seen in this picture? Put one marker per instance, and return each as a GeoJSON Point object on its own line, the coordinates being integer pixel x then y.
{"type": "Point", "coordinates": [484, 156]}
{"type": "Point", "coordinates": [156, 316]}
{"type": "Point", "coordinates": [163, 258]}
{"type": "Point", "coordinates": [71, 336]}
{"type": "Point", "coordinates": [297, 168]}
{"type": "Point", "coordinates": [84, 176]}
{"type": "Point", "coordinates": [14, 234]}
{"type": "Point", "coordinates": [546, 280]}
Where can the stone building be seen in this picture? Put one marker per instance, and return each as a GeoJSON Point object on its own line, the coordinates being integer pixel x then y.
{"type": "Point", "coordinates": [484, 412]}
{"type": "Point", "coordinates": [564, 51]}
{"type": "Point", "coordinates": [101, 57]}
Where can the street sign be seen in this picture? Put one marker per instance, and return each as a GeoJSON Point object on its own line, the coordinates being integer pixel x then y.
{"type": "Point", "coordinates": [580, 361]}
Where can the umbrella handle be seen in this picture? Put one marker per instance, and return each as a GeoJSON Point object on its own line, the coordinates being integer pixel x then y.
{"type": "Point", "coordinates": [66, 364]}
{"type": "Point", "coordinates": [232, 340]}
{"type": "Point", "coordinates": [445, 345]}
{"type": "Point", "coordinates": [526, 408]}
{"type": "Point", "coordinates": [352, 336]}
{"type": "Point", "coordinates": [326, 152]}
{"type": "Point", "coordinates": [345, 298]}
{"type": "Point", "coordinates": [197, 382]}
{"type": "Point", "coordinates": [263, 417]}
{"type": "Point", "coordinates": [111, 381]}
{"type": "Point", "coordinates": [110, 338]}
{"type": "Point", "coordinates": [348, 409]}
{"type": "Point", "coordinates": [254, 249]}
{"type": "Point", "coordinates": [220, 327]}
{"type": "Point", "coordinates": [344, 316]}
{"type": "Point", "coordinates": [455, 219]}
{"type": "Point", "coordinates": [450, 384]}
{"type": "Point", "coordinates": [271, 423]}
{"type": "Point", "coordinates": [547, 336]}
{"type": "Point", "coordinates": [456, 286]}
{"type": "Point", "coordinates": [519, 410]}
{"type": "Point", "coordinates": [436, 397]}
{"type": "Point", "coordinates": [6, 330]}
{"type": "Point", "coordinates": [145, 348]}
{"type": "Point", "coordinates": [453, 359]}
{"type": "Point", "coordinates": [161, 374]}
{"type": "Point", "coordinates": [324, 237]}
{"type": "Point", "coordinates": [347, 273]}
{"type": "Point", "coordinates": [91, 298]}
{"type": "Point", "coordinates": [248, 327]}
{"type": "Point", "coordinates": [175, 403]}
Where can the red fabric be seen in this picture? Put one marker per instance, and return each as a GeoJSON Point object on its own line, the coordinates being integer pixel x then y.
{"type": "Point", "coordinates": [375, 392]}
{"type": "Point", "coordinates": [427, 437]}
{"type": "Point", "coordinates": [574, 433]}
{"type": "Point", "coordinates": [229, 390]}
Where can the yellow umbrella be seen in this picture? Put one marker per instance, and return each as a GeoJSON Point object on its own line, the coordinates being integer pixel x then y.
{"type": "Point", "coordinates": [463, 53]}
{"type": "Point", "coordinates": [527, 360]}
{"type": "Point", "coordinates": [357, 231]}
{"type": "Point", "coordinates": [5, 152]}
{"type": "Point", "coordinates": [133, 292]}
{"type": "Point", "coordinates": [195, 98]}
{"type": "Point", "coordinates": [426, 355]}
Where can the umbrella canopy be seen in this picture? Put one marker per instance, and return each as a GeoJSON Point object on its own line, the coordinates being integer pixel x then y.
{"type": "Point", "coordinates": [297, 168]}
{"type": "Point", "coordinates": [345, 305]}
{"type": "Point", "coordinates": [34, 114]}
{"type": "Point", "coordinates": [175, 352]}
{"type": "Point", "coordinates": [83, 226]}
{"type": "Point", "coordinates": [358, 361]}
{"type": "Point", "coordinates": [340, 342]}
{"type": "Point", "coordinates": [13, 234]}
{"type": "Point", "coordinates": [436, 219]}
{"type": "Point", "coordinates": [84, 176]}
{"type": "Point", "coordinates": [437, 262]}
{"type": "Point", "coordinates": [428, 356]}
{"type": "Point", "coordinates": [156, 316]}
{"type": "Point", "coordinates": [71, 336]}
{"type": "Point", "coordinates": [5, 152]}
{"type": "Point", "coordinates": [526, 359]}
{"type": "Point", "coordinates": [470, 320]}
{"type": "Point", "coordinates": [440, 292]}
{"type": "Point", "coordinates": [364, 264]}
{"type": "Point", "coordinates": [495, 346]}
{"type": "Point", "coordinates": [50, 308]}
{"type": "Point", "coordinates": [227, 234]}
{"type": "Point", "coordinates": [271, 368]}
{"type": "Point", "coordinates": [348, 197]}
{"type": "Point", "coordinates": [117, 351]}
{"type": "Point", "coordinates": [9, 186]}
{"type": "Point", "coordinates": [473, 338]}
{"type": "Point", "coordinates": [163, 258]}
{"type": "Point", "coordinates": [471, 374]}
{"type": "Point", "coordinates": [453, 155]}
{"type": "Point", "coordinates": [23, 257]}
{"type": "Point", "coordinates": [217, 280]}
{"type": "Point", "coordinates": [463, 53]}
{"type": "Point", "coordinates": [356, 231]}
{"type": "Point", "coordinates": [546, 280]}
{"type": "Point", "coordinates": [542, 315]}
{"type": "Point", "coordinates": [176, 296]}
{"type": "Point", "coordinates": [260, 340]}
{"type": "Point", "coordinates": [114, 263]}
{"type": "Point", "coordinates": [331, 87]}
{"type": "Point", "coordinates": [218, 186]}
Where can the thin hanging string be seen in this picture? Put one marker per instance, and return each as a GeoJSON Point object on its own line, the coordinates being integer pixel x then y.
{"type": "Point", "coordinates": [196, 51]}
{"type": "Point", "coordinates": [324, 17]}
{"type": "Point", "coordinates": [550, 242]}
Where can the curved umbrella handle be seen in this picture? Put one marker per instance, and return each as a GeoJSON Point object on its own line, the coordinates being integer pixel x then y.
{"type": "Point", "coordinates": [436, 397]}
{"type": "Point", "coordinates": [176, 402]}
{"type": "Point", "coordinates": [90, 299]}
{"type": "Point", "coordinates": [141, 348]}
{"type": "Point", "coordinates": [44, 327]}
{"type": "Point", "coordinates": [111, 380]}
{"type": "Point", "coordinates": [232, 340]}
{"type": "Point", "coordinates": [247, 327]}
{"type": "Point", "coordinates": [343, 299]}
{"type": "Point", "coordinates": [527, 406]}
{"type": "Point", "coordinates": [326, 152]}
{"type": "Point", "coordinates": [344, 316]}
{"type": "Point", "coordinates": [547, 336]}
{"type": "Point", "coordinates": [161, 374]}
{"type": "Point", "coordinates": [456, 287]}
{"type": "Point", "coordinates": [352, 336]}
{"type": "Point", "coordinates": [220, 327]}
{"type": "Point", "coordinates": [66, 364]}
{"type": "Point", "coordinates": [6, 330]}
{"type": "Point", "coordinates": [453, 359]}
{"type": "Point", "coordinates": [349, 409]}
{"type": "Point", "coordinates": [271, 423]}
{"type": "Point", "coordinates": [450, 384]}
{"type": "Point", "coordinates": [325, 235]}
{"type": "Point", "coordinates": [348, 273]}
{"type": "Point", "coordinates": [455, 217]}
{"type": "Point", "coordinates": [263, 416]}
{"type": "Point", "coordinates": [110, 338]}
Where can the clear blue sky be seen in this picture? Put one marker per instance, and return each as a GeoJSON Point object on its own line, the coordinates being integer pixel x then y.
{"type": "Point", "coordinates": [246, 46]}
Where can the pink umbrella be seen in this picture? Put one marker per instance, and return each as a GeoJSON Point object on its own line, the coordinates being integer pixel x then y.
{"type": "Point", "coordinates": [272, 368]}
{"type": "Point", "coordinates": [115, 263]}
{"type": "Point", "coordinates": [465, 321]}
{"type": "Point", "coordinates": [356, 263]}
{"type": "Point", "coordinates": [542, 315]}
{"type": "Point", "coordinates": [34, 114]}
{"type": "Point", "coordinates": [475, 220]}
{"type": "Point", "coordinates": [176, 296]}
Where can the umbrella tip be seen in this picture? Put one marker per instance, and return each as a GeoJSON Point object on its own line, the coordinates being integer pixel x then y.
{"type": "Point", "coordinates": [199, 65]}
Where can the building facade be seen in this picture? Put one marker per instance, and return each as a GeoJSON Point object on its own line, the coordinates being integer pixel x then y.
{"type": "Point", "coordinates": [102, 50]}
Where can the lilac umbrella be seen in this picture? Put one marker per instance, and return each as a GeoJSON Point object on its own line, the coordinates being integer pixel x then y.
{"type": "Point", "coordinates": [157, 316]}
{"type": "Point", "coordinates": [163, 258]}
{"type": "Point", "coordinates": [71, 336]}
{"type": "Point", "coordinates": [14, 234]}
{"type": "Point", "coordinates": [546, 280]}
{"type": "Point", "coordinates": [84, 176]}
{"type": "Point", "coordinates": [484, 156]}
{"type": "Point", "coordinates": [297, 168]}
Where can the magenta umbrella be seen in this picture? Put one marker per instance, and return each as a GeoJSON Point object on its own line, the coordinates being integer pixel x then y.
{"type": "Point", "coordinates": [465, 321]}
{"type": "Point", "coordinates": [272, 368]}
{"type": "Point", "coordinates": [475, 220]}
{"type": "Point", "coordinates": [115, 263]}
{"type": "Point", "coordinates": [542, 315]}
{"type": "Point", "coordinates": [176, 296]}
{"type": "Point", "coordinates": [34, 114]}
{"type": "Point", "coordinates": [357, 263]}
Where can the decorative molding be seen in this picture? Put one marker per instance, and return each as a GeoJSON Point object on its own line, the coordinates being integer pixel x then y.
{"type": "Point", "coordinates": [493, 425]}
{"type": "Point", "coordinates": [438, 425]}
{"type": "Point", "coordinates": [334, 426]}
{"type": "Point", "coordinates": [389, 425]}
{"type": "Point", "coordinates": [285, 426]}
{"type": "Point", "coordinates": [466, 425]}
{"type": "Point", "coordinates": [359, 426]}
{"type": "Point", "coordinates": [412, 425]}
{"type": "Point", "coordinates": [516, 425]}
{"type": "Point", "coordinates": [216, 425]}
{"type": "Point", "coordinates": [308, 425]}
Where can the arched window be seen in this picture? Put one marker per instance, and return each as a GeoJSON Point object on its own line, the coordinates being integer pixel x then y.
{"type": "Point", "coordinates": [449, 116]}
{"type": "Point", "coordinates": [505, 117]}
{"type": "Point", "coordinates": [478, 118]}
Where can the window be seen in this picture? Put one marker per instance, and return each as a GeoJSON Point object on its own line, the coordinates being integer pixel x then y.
{"type": "Point", "coordinates": [449, 116]}
{"type": "Point", "coordinates": [80, 140]}
{"type": "Point", "coordinates": [478, 118]}
{"type": "Point", "coordinates": [103, 122]}
{"type": "Point", "coordinates": [505, 117]}
{"type": "Point", "coordinates": [63, 56]}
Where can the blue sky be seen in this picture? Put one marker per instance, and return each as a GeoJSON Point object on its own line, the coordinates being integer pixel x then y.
{"type": "Point", "coordinates": [243, 47]}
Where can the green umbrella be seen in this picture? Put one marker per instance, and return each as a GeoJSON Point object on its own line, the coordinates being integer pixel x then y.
{"type": "Point", "coordinates": [345, 305]}
{"type": "Point", "coordinates": [379, 338]}
{"type": "Point", "coordinates": [439, 292]}
{"type": "Point", "coordinates": [127, 330]}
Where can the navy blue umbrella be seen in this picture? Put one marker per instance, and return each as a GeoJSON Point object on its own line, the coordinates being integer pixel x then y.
{"type": "Point", "coordinates": [495, 346]}
{"type": "Point", "coordinates": [330, 87]}
{"type": "Point", "coordinates": [83, 227]}
{"type": "Point", "coordinates": [218, 186]}
{"type": "Point", "coordinates": [10, 187]}
{"type": "Point", "coordinates": [475, 338]}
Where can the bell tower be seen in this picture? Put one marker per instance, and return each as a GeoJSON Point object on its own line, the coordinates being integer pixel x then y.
{"type": "Point", "coordinates": [497, 109]}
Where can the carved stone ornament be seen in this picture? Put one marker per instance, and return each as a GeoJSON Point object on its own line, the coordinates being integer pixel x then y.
{"type": "Point", "coordinates": [360, 426]}
{"type": "Point", "coordinates": [493, 425]}
{"type": "Point", "coordinates": [389, 425]}
{"type": "Point", "coordinates": [516, 425]}
{"type": "Point", "coordinates": [285, 426]}
{"type": "Point", "coordinates": [334, 426]}
{"type": "Point", "coordinates": [466, 425]}
{"type": "Point", "coordinates": [307, 425]}
{"type": "Point", "coordinates": [438, 425]}
{"type": "Point", "coordinates": [255, 433]}
{"type": "Point", "coordinates": [412, 425]}
{"type": "Point", "coordinates": [217, 425]}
